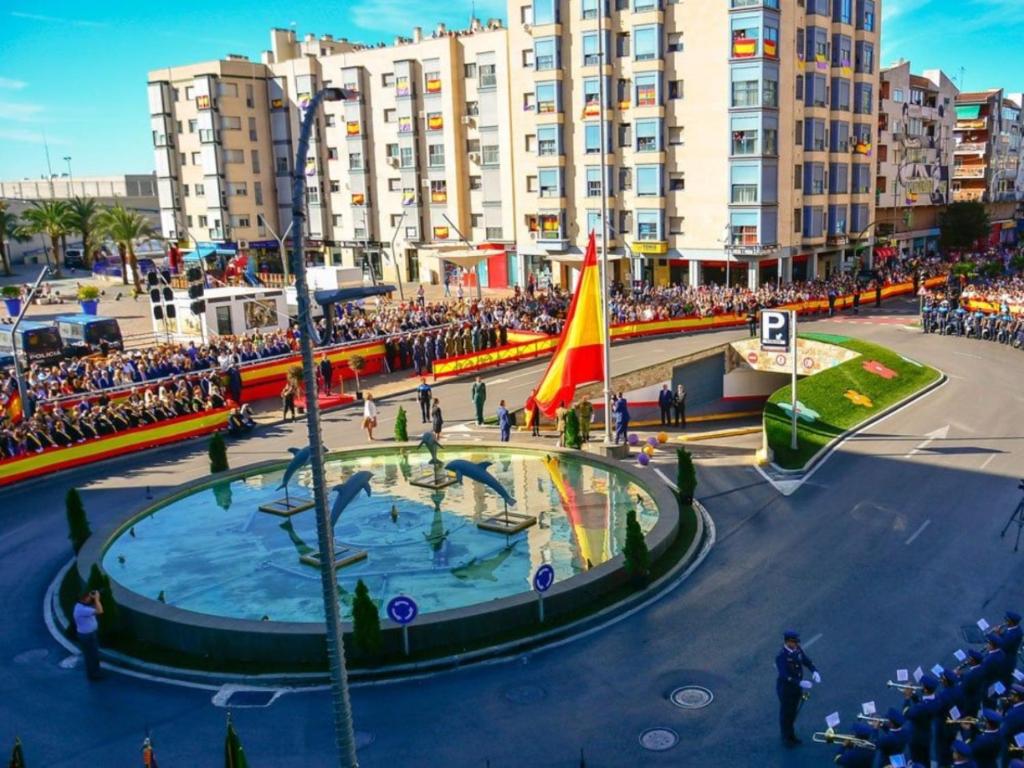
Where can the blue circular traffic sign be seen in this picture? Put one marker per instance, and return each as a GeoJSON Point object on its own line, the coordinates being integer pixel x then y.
{"type": "Point", "coordinates": [543, 578]}
{"type": "Point", "coordinates": [402, 610]}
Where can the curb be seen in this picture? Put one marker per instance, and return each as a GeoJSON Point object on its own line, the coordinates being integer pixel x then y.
{"type": "Point", "coordinates": [556, 637]}
{"type": "Point", "coordinates": [719, 433]}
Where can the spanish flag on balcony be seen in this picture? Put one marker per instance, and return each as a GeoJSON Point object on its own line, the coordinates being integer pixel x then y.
{"type": "Point", "coordinates": [352, 128]}
{"type": "Point", "coordinates": [408, 197]}
{"type": "Point", "coordinates": [434, 85]}
{"type": "Point", "coordinates": [440, 233]}
{"type": "Point", "coordinates": [771, 49]}
{"type": "Point", "coordinates": [579, 357]}
{"type": "Point", "coordinates": [435, 122]}
{"type": "Point", "coordinates": [358, 198]}
{"type": "Point", "coordinates": [821, 62]}
{"type": "Point", "coordinates": [743, 47]}
{"type": "Point", "coordinates": [592, 109]}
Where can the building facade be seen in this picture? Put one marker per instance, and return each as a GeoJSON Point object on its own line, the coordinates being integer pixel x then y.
{"type": "Point", "coordinates": [987, 158]}
{"type": "Point", "coordinates": [415, 160]}
{"type": "Point", "coordinates": [916, 127]}
{"type": "Point", "coordinates": [737, 140]}
{"type": "Point", "coordinates": [738, 135]}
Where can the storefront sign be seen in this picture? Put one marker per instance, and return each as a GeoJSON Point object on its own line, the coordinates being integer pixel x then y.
{"type": "Point", "coordinates": [650, 247]}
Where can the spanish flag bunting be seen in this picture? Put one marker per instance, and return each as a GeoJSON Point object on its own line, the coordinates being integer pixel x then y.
{"type": "Point", "coordinates": [10, 407]}
{"type": "Point", "coordinates": [435, 122]}
{"type": "Point", "coordinates": [579, 356]}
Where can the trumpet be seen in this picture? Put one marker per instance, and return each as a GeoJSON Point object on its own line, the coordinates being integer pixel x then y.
{"type": "Point", "coordinates": [962, 721]}
{"type": "Point", "coordinates": [846, 739]}
{"type": "Point", "coordinates": [904, 686]}
{"type": "Point", "coordinates": [875, 720]}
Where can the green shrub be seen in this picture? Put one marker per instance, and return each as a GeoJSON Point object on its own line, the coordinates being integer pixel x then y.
{"type": "Point", "coordinates": [686, 476]}
{"type": "Point", "coordinates": [572, 430]}
{"type": "Point", "coordinates": [218, 452]}
{"type": "Point", "coordinates": [637, 558]}
{"type": "Point", "coordinates": [365, 621]}
{"type": "Point", "coordinates": [78, 523]}
{"type": "Point", "coordinates": [88, 293]}
{"type": "Point", "coordinates": [401, 426]}
{"type": "Point", "coordinates": [10, 292]}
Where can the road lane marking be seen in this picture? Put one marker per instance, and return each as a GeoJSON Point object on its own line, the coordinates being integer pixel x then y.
{"type": "Point", "coordinates": [939, 434]}
{"type": "Point", "coordinates": [988, 460]}
{"type": "Point", "coordinates": [812, 641]}
{"type": "Point", "coordinates": [968, 354]}
{"type": "Point", "coordinates": [918, 532]}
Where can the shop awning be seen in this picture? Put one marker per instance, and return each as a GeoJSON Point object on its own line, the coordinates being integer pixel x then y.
{"type": "Point", "coordinates": [354, 293]}
{"type": "Point", "coordinates": [577, 258]}
{"type": "Point", "coordinates": [968, 112]}
{"type": "Point", "coordinates": [884, 253]}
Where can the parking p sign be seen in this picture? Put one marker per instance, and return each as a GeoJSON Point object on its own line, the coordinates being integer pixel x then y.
{"type": "Point", "coordinates": [774, 330]}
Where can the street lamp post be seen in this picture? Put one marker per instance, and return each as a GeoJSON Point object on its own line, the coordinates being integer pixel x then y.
{"type": "Point", "coordinates": [71, 179]}
{"type": "Point", "coordinates": [343, 732]}
{"type": "Point", "coordinates": [280, 244]}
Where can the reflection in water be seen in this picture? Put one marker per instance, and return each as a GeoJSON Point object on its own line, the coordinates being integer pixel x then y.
{"type": "Point", "coordinates": [214, 553]}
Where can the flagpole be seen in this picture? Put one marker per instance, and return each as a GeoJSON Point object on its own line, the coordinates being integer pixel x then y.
{"type": "Point", "coordinates": [605, 319]}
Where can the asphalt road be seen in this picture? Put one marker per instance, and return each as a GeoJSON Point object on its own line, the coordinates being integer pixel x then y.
{"type": "Point", "coordinates": [879, 559]}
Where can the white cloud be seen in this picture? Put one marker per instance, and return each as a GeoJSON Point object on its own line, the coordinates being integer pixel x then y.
{"type": "Point", "coordinates": [398, 16]}
{"type": "Point", "coordinates": [20, 112]}
{"type": "Point", "coordinates": [895, 8]}
{"type": "Point", "coordinates": [56, 19]}
{"type": "Point", "coordinates": [14, 85]}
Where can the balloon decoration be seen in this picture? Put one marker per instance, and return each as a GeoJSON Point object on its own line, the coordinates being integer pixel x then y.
{"type": "Point", "coordinates": [634, 439]}
{"type": "Point", "coordinates": [649, 450]}
{"type": "Point", "coordinates": [652, 441]}
{"type": "Point", "coordinates": [662, 438]}
{"type": "Point", "coordinates": [643, 459]}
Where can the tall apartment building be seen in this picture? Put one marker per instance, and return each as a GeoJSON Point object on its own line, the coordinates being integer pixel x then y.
{"type": "Point", "coordinates": [987, 157]}
{"type": "Point", "coordinates": [739, 135]}
{"type": "Point", "coordinates": [418, 153]}
{"type": "Point", "coordinates": [916, 123]}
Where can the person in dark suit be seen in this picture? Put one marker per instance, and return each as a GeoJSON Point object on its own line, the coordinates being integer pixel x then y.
{"type": "Point", "coordinates": [665, 399]}
{"type": "Point", "coordinates": [327, 371]}
{"type": "Point", "coordinates": [921, 711]}
{"type": "Point", "coordinates": [789, 666]}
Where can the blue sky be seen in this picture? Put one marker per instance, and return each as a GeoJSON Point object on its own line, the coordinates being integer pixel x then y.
{"type": "Point", "coordinates": [77, 71]}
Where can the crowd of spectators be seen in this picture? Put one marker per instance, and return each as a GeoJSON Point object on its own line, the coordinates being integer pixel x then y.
{"type": "Point", "coordinates": [59, 427]}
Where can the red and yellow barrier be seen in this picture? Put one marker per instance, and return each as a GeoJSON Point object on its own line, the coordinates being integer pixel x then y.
{"type": "Point", "coordinates": [262, 380]}
{"type": "Point", "coordinates": [992, 307]}
{"type": "Point", "coordinates": [119, 444]}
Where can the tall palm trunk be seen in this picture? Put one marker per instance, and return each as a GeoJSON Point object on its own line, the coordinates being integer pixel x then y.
{"type": "Point", "coordinates": [58, 257]}
{"type": "Point", "coordinates": [4, 258]}
{"type": "Point", "coordinates": [136, 277]}
{"type": "Point", "coordinates": [124, 263]}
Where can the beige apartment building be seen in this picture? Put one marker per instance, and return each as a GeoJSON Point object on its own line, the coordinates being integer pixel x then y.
{"type": "Point", "coordinates": [916, 129]}
{"type": "Point", "coordinates": [738, 135]}
{"type": "Point", "coordinates": [417, 158]}
{"type": "Point", "coordinates": [738, 141]}
{"type": "Point", "coordinates": [987, 164]}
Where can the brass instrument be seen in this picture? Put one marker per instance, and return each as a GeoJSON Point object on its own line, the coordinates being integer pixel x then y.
{"type": "Point", "coordinates": [904, 686]}
{"type": "Point", "coordinates": [846, 739]}
{"type": "Point", "coordinates": [875, 720]}
{"type": "Point", "coordinates": [962, 721]}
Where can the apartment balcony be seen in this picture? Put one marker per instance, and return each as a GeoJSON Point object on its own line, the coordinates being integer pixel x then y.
{"type": "Point", "coordinates": [969, 172]}
{"type": "Point", "coordinates": [970, 147]}
{"type": "Point", "coordinates": [968, 195]}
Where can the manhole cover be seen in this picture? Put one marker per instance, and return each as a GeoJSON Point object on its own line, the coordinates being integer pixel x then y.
{"type": "Point", "coordinates": [525, 694]}
{"type": "Point", "coordinates": [691, 697]}
{"type": "Point", "coordinates": [658, 739]}
{"type": "Point", "coordinates": [33, 656]}
{"type": "Point", "coordinates": [69, 662]}
{"type": "Point", "coordinates": [261, 698]}
{"type": "Point", "coordinates": [364, 739]}
{"type": "Point", "coordinates": [972, 634]}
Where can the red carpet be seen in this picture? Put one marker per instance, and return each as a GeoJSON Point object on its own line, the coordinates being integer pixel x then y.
{"type": "Point", "coordinates": [326, 401]}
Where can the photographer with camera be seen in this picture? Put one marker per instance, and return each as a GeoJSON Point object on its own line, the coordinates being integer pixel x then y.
{"type": "Point", "coordinates": [86, 610]}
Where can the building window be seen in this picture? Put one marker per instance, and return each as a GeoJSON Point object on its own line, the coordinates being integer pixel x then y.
{"type": "Point", "coordinates": [355, 161]}
{"type": "Point", "coordinates": [281, 166]}
{"type": "Point", "coordinates": [745, 93]}
{"type": "Point", "coordinates": [646, 43]}
{"type": "Point", "coordinates": [590, 9]}
{"type": "Point", "coordinates": [391, 150]}
{"type": "Point", "coordinates": [675, 225]}
{"type": "Point", "coordinates": [390, 115]}
{"type": "Point", "coordinates": [544, 53]}
{"type": "Point", "coordinates": [675, 136]}
{"type": "Point", "coordinates": [472, 108]}
{"type": "Point", "coordinates": [229, 123]}
{"type": "Point", "coordinates": [550, 182]}
{"type": "Point", "coordinates": [591, 97]}
{"type": "Point", "coordinates": [550, 226]}
{"type": "Point", "coordinates": [593, 181]}
{"type": "Point", "coordinates": [594, 224]}
{"type": "Point", "coordinates": [645, 5]}
{"type": "Point", "coordinates": [387, 79]}
{"type": "Point", "coordinates": [490, 156]}
{"type": "Point", "coordinates": [648, 135]}
{"type": "Point", "coordinates": [744, 193]}
{"type": "Point", "coordinates": [648, 180]}
{"type": "Point", "coordinates": [432, 82]}
{"type": "Point", "coordinates": [332, 153]}
{"type": "Point", "coordinates": [544, 12]}
{"type": "Point", "coordinates": [200, 190]}
{"type": "Point", "coordinates": [493, 233]}
{"type": "Point", "coordinates": [469, 70]}
{"type": "Point", "coordinates": [472, 145]}
{"type": "Point", "coordinates": [622, 46]}
{"type": "Point", "coordinates": [531, 183]}
{"type": "Point", "coordinates": [528, 58]}
{"type": "Point", "coordinates": [192, 125]}
{"type": "Point", "coordinates": [394, 185]}
{"type": "Point", "coordinates": [475, 182]}
{"type": "Point", "coordinates": [592, 138]}
{"type": "Point", "coordinates": [677, 181]}
{"type": "Point", "coordinates": [591, 49]}
{"type": "Point", "coordinates": [547, 140]}
{"type": "Point", "coordinates": [675, 89]}
{"type": "Point", "coordinates": [406, 157]}
{"type": "Point", "coordinates": [744, 142]}
{"type": "Point", "coordinates": [184, 188]}
{"type": "Point", "coordinates": [744, 234]}
{"type": "Point", "coordinates": [254, 156]}
{"type": "Point", "coordinates": [771, 94]}
{"type": "Point", "coordinates": [675, 42]}
{"type": "Point", "coordinates": [197, 158]}
{"type": "Point", "coordinates": [438, 191]}
{"type": "Point", "coordinates": [488, 76]}
{"type": "Point", "coordinates": [234, 156]}
{"type": "Point", "coordinates": [648, 225]}
{"type": "Point", "coordinates": [625, 134]}
{"type": "Point", "coordinates": [647, 89]}
{"type": "Point", "coordinates": [547, 97]}
{"type": "Point", "coordinates": [435, 121]}
{"type": "Point", "coordinates": [435, 155]}
{"type": "Point", "coordinates": [625, 181]}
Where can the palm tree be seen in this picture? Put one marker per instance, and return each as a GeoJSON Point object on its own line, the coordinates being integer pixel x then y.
{"type": "Point", "coordinates": [83, 220]}
{"type": "Point", "coordinates": [50, 218]}
{"type": "Point", "coordinates": [10, 231]}
{"type": "Point", "coordinates": [125, 228]}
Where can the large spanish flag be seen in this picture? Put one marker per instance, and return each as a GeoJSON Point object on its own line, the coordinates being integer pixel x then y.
{"type": "Point", "coordinates": [588, 513]}
{"type": "Point", "coordinates": [579, 356]}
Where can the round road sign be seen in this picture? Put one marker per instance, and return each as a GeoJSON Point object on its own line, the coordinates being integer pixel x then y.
{"type": "Point", "coordinates": [402, 610]}
{"type": "Point", "coordinates": [543, 578]}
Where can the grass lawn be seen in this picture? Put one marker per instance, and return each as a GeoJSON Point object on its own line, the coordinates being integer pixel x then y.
{"type": "Point", "coordinates": [825, 393]}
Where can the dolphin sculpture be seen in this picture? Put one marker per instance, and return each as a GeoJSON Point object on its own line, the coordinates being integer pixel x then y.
{"type": "Point", "coordinates": [478, 471]}
{"type": "Point", "coordinates": [300, 456]}
{"type": "Point", "coordinates": [347, 491]}
{"type": "Point", "coordinates": [427, 439]}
